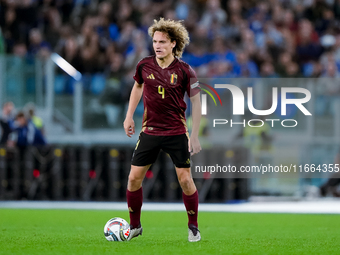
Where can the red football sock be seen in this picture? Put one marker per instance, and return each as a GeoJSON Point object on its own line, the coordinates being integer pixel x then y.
{"type": "Point", "coordinates": [191, 204]}
{"type": "Point", "coordinates": [135, 201]}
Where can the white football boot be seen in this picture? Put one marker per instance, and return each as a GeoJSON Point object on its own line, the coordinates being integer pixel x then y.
{"type": "Point", "coordinates": [194, 234]}
{"type": "Point", "coordinates": [135, 232]}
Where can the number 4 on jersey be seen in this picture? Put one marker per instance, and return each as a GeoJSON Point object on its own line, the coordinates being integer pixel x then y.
{"type": "Point", "coordinates": [161, 91]}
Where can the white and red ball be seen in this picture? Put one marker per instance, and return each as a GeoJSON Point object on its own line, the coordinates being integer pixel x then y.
{"type": "Point", "coordinates": [117, 229]}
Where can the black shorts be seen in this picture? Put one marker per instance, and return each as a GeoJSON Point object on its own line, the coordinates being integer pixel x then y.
{"type": "Point", "coordinates": [148, 147]}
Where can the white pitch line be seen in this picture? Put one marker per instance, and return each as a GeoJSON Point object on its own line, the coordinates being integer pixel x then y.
{"type": "Point", "coordinates": [308, 207]}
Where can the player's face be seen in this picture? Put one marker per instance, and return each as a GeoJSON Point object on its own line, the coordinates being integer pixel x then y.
{"type": "Point", "coordinates": [162, 45]}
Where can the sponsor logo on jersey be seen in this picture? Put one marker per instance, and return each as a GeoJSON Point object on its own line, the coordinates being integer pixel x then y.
{"type": "Point", "coordinates": [151, 76]}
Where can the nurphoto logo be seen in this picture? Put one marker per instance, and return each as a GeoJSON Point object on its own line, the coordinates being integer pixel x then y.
{"type": "Point", "coordinates": [238, 104]}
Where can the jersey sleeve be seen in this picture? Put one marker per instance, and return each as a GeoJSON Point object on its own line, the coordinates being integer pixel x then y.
{"type": "Point", "coordinates": [193, 83]}
{"type": "Point", "coordinates": [138, 75]}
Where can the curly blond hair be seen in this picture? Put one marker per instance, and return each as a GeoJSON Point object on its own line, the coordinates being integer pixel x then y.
{"type": "Point", "coordinates": [175, 31]}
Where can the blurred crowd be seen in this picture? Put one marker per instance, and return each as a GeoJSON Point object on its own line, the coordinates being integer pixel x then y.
{"type": "Point", "coordinates": [234, 38]}
{"type": "Point", "coordinates": [20, 128]}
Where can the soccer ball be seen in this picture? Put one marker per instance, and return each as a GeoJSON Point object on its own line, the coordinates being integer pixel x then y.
{"type": "Point", "coordinates": [117, 229]}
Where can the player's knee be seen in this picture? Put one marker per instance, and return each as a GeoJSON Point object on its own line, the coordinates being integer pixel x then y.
{"type": "Point", "coordinates": [185, 181]}
{"type": "Point", "coordinates": [135, 181]}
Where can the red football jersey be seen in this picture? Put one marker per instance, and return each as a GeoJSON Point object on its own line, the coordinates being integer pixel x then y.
{"type": "Point", "coordinates": [163, 95]}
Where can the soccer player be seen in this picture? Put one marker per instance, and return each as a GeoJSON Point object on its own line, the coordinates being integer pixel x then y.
{"type": "Point", "coordinates": [163, 80]}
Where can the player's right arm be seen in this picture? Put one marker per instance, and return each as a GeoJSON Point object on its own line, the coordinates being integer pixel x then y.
{"type": "Point", "coordinates": [135, 96]}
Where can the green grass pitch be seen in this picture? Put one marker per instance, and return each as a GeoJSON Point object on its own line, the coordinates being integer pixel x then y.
{"type": "Point", "coordinates": [81, 232]}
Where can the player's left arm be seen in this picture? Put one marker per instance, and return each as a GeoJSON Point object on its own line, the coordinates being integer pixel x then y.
{"type": "Point", "coordinates": [194, 143]}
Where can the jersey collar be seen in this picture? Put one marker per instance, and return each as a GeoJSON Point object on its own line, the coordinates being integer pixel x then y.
{"type": "Point", "coordinates": [169, 66]}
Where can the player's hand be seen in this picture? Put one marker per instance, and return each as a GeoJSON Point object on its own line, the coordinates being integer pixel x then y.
{"type": "Point", "coordinates": [129, 127]}
{"type": "Point", "coordinates": [194, 145]}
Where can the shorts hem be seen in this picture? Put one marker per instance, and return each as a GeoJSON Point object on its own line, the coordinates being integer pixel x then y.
{"type": "Point", "coordinates": [141, 164]}
{"type": "Point", "coordinates": [183, 166]}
